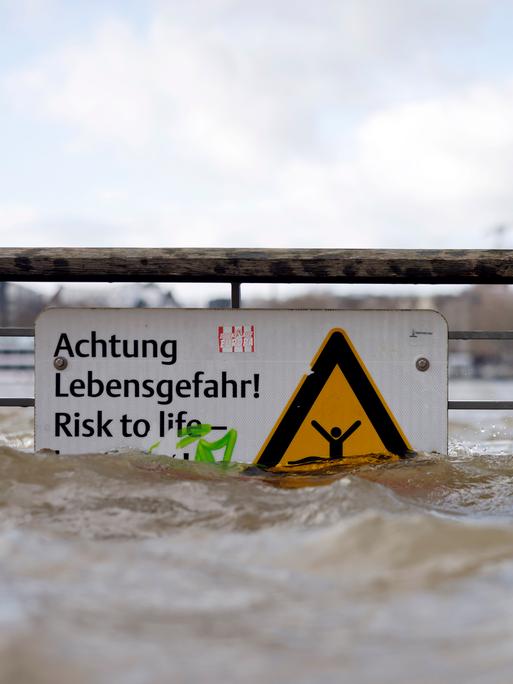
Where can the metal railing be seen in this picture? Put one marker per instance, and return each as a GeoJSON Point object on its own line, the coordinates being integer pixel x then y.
{"type": "Point", "coordinates": [470, 404]}
{"type": "Point", "coordinates": [237, 266]}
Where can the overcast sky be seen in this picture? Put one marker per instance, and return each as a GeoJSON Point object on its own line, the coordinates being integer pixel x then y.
{"type": "Point", "coordinates": [277, 123]}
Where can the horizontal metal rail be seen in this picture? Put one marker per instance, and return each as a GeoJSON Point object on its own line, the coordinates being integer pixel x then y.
{"type": "Point", "coordinates": [476, 404]}
{"type": "Point", "coordinates": [481, 334]}
{"type": "Point", "coordinates": [453, 335]}
{"type": "Point", "coordinates": [9, 352]}
{"type": "Point", "coordinates": [16, 366]}
{"type": "Point", "coordinates": [465, 266]}
{"type": "Point", "coordinates": [467, 405]}
{"type": "Point", "coordinates": [17, 332]}
{"type": "Point", "coordinates": [17, 401]}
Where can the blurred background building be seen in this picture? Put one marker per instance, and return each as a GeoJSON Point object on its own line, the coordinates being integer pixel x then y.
{"type": "Point", "coordinates": [484, 307]}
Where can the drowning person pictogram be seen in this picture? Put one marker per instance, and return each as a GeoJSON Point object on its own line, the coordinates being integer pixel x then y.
{"type": "Point", "coordinates": [338, 390]}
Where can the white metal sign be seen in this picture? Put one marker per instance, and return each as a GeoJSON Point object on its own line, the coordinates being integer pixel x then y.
{"type": "Point", "coordinates": [279, 388]}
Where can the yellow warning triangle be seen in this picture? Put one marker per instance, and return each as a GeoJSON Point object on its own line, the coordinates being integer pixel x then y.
{"type": "Point", "coordinates": [336, 412]}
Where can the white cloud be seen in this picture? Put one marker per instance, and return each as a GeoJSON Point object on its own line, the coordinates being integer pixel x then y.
{"type": "Point", "coordinates": [234, 84]}
{"type": "Point", "coordinates": [185, 93]}
{"type": "Point", "coordinates": [27, 12]}
{"type": "Point", "coordinates": [14, 219]}
{"type": "Point", "coordinates": [289, 124]}
{"type": "Point", "coordinates": [454, 148]}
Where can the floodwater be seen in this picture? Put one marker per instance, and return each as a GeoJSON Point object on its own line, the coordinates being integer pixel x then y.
{"type": "Point", "coordinates": [133, 569]}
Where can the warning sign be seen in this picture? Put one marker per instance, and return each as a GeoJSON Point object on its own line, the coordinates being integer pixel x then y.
{"type": "Point", "coordinates": [281, 389]}
{"type": "Point", "coordinates": [336, 410]}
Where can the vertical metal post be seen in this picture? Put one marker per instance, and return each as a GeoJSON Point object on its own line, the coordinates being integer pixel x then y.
{"type": "Point", "coordinates": [4, 314]}
{"type": "Point", "coordinates": [235, 295]}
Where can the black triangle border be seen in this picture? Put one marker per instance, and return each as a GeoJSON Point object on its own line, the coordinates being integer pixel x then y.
{"type": "Point", "coordinates": [336, 352]}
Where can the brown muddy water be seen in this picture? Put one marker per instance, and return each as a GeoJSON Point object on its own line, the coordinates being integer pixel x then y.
{"type": "Point", "coordinates": [133, 569]}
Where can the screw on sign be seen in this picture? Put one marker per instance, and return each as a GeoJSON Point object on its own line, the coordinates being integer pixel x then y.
{"type": "Point", "coordinates": [422, 364]}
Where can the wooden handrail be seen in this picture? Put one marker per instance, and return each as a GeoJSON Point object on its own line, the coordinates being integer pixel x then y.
{"type": "Point", "coordinates": [257, 265]}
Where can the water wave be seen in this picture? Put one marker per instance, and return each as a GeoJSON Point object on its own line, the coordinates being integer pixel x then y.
{"type": "Point", "coordinates": [125, 567]}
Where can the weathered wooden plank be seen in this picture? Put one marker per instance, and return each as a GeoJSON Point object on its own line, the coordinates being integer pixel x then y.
{"type": "Point", "coordinates": [257, 265]}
